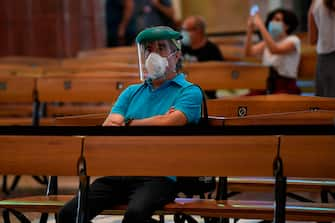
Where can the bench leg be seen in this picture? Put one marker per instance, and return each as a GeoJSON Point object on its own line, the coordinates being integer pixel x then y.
{"type": "Point", "coordinates": [42, 180]}
{"type": "Point", "coordinates": [222, 194]}
{"type": "Point", "coordinates": [161, 218]}
{"type": "Point", "coordinates": [298, 197]}
{"type": "Point", "coordinates": [4, 185]}
{"type": "Point", "coordinates": [44, 218]}
{"type": "Point", "coordinates": [17, 214]}
{"type": "Point", "coordinates": [15, 182]}
{"type": "Point", "coordinates": [5, 216]}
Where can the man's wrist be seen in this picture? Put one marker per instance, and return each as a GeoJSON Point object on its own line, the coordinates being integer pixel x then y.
{"type": "Point", "coordinates": [128, 121]}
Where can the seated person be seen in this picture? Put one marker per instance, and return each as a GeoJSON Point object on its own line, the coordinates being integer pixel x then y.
{"type": "Point", "coordinates": [196, 46]}
{"type": "Point", "coordinates": [165, 98]}
{"type": "Point", "coordinates": [279, 48]}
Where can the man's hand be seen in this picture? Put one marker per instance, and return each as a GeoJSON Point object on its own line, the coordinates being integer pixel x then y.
{"type": "Point", "coordinates": [114, 120]}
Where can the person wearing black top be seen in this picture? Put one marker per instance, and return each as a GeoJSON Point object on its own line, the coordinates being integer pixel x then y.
{"type": "Point", "coordinates": [196, 46]}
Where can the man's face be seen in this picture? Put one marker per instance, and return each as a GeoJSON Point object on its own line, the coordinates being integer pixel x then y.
{"type": "Point", "coordinates": [189, 26]}
{"type": "Point", "coordinates": [160, 47]}
{"type": "Point", "coordinates": [165, 49]}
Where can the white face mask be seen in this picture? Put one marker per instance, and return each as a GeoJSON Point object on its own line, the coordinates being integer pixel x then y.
{"type": "Point", "coordinates": [156, 66]}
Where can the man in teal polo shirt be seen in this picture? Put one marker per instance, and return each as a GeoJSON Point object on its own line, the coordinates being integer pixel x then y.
{"type": "Point", "coordinates": [165, 98]}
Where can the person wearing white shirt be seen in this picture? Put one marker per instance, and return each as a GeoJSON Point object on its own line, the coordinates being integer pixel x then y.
{"type": "Point", "coordinates": [321, 30]}
{"type": "Point", "coordinates": [280, 49]}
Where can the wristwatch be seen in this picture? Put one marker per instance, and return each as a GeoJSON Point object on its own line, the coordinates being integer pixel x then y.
{"type": "Point", "coordinates": [128, 121]}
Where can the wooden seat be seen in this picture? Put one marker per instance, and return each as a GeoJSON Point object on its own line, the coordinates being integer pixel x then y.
{"type": "Point", "coordinates": [17, 96]}
{"type": "Point", "coordinates": [82, 94]}
{"type": "Point", "coordinates": [222, 75]}
{"type": "Point", "coordinates": [191, 206]}
{"type": "Point", "coordinates": [320, 117]}
{"type": "Point", "coordinates": [267, 104]}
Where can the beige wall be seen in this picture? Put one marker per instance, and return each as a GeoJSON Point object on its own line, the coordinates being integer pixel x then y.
{"type": "Point", "coordinates": [225, 15]}
{"type": "Point", "coordinates": [221, 15]}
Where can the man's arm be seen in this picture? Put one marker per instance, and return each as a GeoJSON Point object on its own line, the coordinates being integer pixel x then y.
{"type": "Point", "coordinates": [249, 48]}
{"type": "Point", "coordinates": [312, 28]}
{"type": "Point", "coordinates": [166, 10]}
{"type": "Point", "coordinates": [114, 120]}
{"type": "Point", "coordinates": [174, 118]}
{"type": "Point", "coordinates": [127, 14]}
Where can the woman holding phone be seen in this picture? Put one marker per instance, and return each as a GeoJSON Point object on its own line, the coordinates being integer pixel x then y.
{"type": "Point", "coordinates": [279, 49]}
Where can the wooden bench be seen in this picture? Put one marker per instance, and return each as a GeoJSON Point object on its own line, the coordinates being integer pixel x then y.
{"type": "Point", "coordinates": [20, 70]}
{"type": "Point", "coordinates": [124, 50]}
{"type": "Point", "coordinates": [267, 104]}
{"type": "Point", "coordinates": [320, 117]}
{"type": "Point", "coordinates": [222, 75]}
{"type": "Point", "coordinates": [274, 110]}
{"type": "Point", "coordinates": [38, 155]}
{"type": "Point", "coordinates": [17, 98]}
{"type": "Point", "coordinates": [103, 66]}
{"type": "Point", "coordinates": [309, 157]}
{"type": "Point", "coordinates": [189, 156]}
{"type": "Point", "coordinates": [82, 94]}
{"type": "Point", "coordinates": [29, 61]}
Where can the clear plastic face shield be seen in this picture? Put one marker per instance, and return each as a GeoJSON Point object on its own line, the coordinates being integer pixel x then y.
{"type": "Point", "coordinates": [157, 58]}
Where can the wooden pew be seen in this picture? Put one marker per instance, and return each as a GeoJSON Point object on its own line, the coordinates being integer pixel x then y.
{"type": "Point", "coordinates": [222, 75]}
{"type": "Point", "coordinates": [85, 93]}
{"type": "Point", "coordinates": [17, 97]}
{"type": "Point", "coordinates": [105, 66]}
{"type": "Point", "coordinates": [37, 155]}
{"type": "Point", "coordinates": [20, 70]}
{"type": "Point", "coordinates": [125, 50]}
{"type": "Point", "coordinates": [309, 157]}
{"type": "Point", "coordinates": [196, 155]}
{"type": "Point", "coordinates": [320, 117]}
{"type": "Point", "coordinates": [267, 104]}
{"type": "Point", "coordinates": [110, 58]}
{"type": "Point", "coordinates": [29, 61]}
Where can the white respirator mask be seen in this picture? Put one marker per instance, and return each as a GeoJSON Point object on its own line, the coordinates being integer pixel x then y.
{"type": "Point", "coordinates": [156, 66]}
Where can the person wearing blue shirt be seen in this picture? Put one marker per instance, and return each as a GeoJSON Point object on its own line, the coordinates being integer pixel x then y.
{"type": "Point", "coordinates": [165, 98]}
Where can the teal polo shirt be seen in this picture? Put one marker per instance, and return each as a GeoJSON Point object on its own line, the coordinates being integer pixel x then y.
{"type": "Point", "coordinates": [143, 101]}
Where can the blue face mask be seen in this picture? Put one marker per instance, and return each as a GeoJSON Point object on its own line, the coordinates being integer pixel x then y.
{"type": "Point", "coordinates": [275, 29]}
{"type": "Point", "coordinates": [186, 40]}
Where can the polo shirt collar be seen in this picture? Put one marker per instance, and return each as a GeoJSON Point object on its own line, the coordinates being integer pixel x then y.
{"type": "Point", "coordinates": [179, 79]}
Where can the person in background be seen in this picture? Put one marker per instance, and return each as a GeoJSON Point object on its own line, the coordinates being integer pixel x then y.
{"type": "Point", "coordinates": [280, 49]}
{"type": "Point", "coordinates": [196, 46]}
{"type": "Point", "coordinates": [151, 13]}
{"type": "Point", "coordinates": [121, 24]}
{"type": "Point", "coordinates": [164, 99]}
{"type": "Point", "coordinates": [321, 23]}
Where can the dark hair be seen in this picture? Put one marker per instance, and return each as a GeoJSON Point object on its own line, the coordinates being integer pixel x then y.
{"type": "Point", "coordinates": [290, 19]}
{"type": "Point", "coordinates": [329, 4]}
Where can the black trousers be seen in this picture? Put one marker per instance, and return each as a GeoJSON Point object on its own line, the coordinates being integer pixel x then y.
{"type": "Point", "coordinates": [144, 195]}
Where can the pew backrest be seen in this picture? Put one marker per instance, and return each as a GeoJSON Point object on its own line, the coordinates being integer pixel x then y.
{"type": "Point", "coordinates": [40, 155]}
{"type": "Point", "coordinates": [180, 155]}
{"type": "Point", "coordinates": [309, 156]}
{"type": "Point", "coordinates": [222, 75]}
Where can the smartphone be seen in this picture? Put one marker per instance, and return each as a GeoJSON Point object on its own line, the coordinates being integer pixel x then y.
{"type": "Point", "coordinates": [254, 9]}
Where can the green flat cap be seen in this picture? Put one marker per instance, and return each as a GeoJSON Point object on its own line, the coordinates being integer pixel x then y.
{"type": "Point", "coordinates": [158, 33]}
